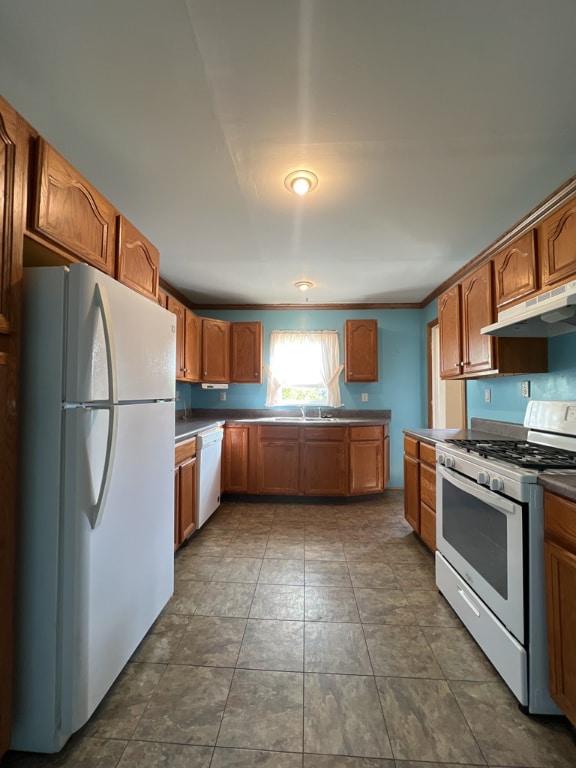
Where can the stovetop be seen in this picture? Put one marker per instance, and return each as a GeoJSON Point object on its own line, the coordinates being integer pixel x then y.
{"type": "Point", "coordinates": [520, 453]}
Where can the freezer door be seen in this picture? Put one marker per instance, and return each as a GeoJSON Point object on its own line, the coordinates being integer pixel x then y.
{"type": "Point", "coordinates": [117, 576]}
{"type": "Point", "coordinates": [116, 335]}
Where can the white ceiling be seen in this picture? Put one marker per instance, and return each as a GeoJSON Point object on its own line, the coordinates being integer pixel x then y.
{"type": "Point", "coordinates": [433, 125]}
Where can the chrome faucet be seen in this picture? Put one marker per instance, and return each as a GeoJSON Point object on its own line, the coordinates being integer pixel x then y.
{"type": "Point", "coordinates": [303, 412]}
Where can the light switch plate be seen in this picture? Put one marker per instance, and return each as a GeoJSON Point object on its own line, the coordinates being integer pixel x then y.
{"type": "Point", "coordinates": [487, 395]}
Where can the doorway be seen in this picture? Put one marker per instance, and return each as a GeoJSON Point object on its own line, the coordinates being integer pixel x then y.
{"type": "Point", "coordinates": [446, 398]}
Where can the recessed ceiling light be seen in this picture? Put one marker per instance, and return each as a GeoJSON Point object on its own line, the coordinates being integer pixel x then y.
{"type": "Point", "coordinates": [301, 182]}
{"type": "Point", "coordinates": [304, 285]}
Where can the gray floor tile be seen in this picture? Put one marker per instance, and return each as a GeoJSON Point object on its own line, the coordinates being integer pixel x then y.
{"type": "Point", "coordinates": [362, 551]}
{"type": "Point", "coordinates": [196, 568]}
{"type": "Point", "coordinates": [278, 601]}
{"type": "Point", "coordinates": [79, 752]}
{"type": "Point", "coordinates": [240, 548]}
{"type": "Point", "coordinates": [458, 654]}
{"type": "Point", "coordinates": [314, 550]}
{"type": "Point", "coordinates": [372, 575]}
{"type": "Point", "coordinates": [425, 722]}
{"type": "Point", "coordinates": [431, 609]}
{"type": "Point", "coordinates": [146, 754]}
{"type": "Point", "coordinates": [338, 761]}
{"type": "Point", "coordinates": [383, 606]}
{"type": "Point", "coordinates": [327, 573]}
{"type": "Point", "coordinates": [337, 648]}
{"type": "Point", "coordinates": [239, 569]}
{"type": "Point", "coordinates": [187, 706]}
{"type": "Point", "coordinates": [400, 651]}
{"type": "Point", "coordinates": [508, 737]}
{"type": "Point", "coordinates": [273, 645]}
{"type": "Point", "coordinates": [121, 710]}
{"type": "Point", "coordinates": [418, 764]}
{"type": "Point", "coordinates": [210, 641]}
{"type": "Point", "coordinates": [409, 550]}
{"type": "Point", "coordinates": [264, 711]}
{"type": "Point", "coordinates": [275, 571]}
{"type": "Point", "coordinates": [162, 639]}
{"type": "Point", "coordinates": [419, 576]}
{"type": "Point", "coordinates": [187, 595]}
{"type": "Point", "coordinates": [330, 604]}
{"type": "Point", "coordinates": [226, 599]}
{"type": "Point", "coordinates": [250, 758]}
{"type": "Point", "coordinates": [286, 550]}
{"type": "Point", "coordinates": [342, 716]}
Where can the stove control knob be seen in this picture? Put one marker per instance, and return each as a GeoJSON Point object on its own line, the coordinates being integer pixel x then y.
{"type": "Point", "coordinates": [496, 484]}
{"type": "Point", "coordinates": [440, 458]}
{"type": "Point", "coordinates": [449, 462]}
{"type": "Point", "coordinates": [483, 478]}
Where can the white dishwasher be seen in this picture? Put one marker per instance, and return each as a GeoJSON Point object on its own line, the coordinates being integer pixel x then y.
{"type": "Point", "coordinates": [208, 465]}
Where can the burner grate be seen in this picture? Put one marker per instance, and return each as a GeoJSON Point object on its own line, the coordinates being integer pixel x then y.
{"type": "Point", "coordinates": [520, 453]}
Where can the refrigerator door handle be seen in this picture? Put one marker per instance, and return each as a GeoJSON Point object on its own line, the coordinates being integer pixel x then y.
{"type": "Point", "coordinates": [102, 299]}
{"type": "Point", "coordinates": [98, 507]}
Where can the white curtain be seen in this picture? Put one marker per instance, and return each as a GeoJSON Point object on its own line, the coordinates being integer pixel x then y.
{"type": "Point", "coordinates": [305, 358]}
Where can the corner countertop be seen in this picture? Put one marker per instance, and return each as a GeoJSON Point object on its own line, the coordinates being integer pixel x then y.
{"type": "Point", "coordinates": [480, 429]}
{"type": "Point", "coordinates": [185, 429]}
{"type": "Point", "coordinates": [563, 485]}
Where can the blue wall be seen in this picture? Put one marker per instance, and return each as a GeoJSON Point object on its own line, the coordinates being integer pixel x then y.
{"type": "Point", "coordinates": [507, 404]}
{"type": "Point", "coordinates": [401, 360]}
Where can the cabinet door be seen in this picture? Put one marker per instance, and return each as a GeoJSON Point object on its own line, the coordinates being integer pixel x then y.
{"type": "Point", "coordinates": [515, 270]}
{"type": "Point", "coordinates": [361, 350]}
{"type": "Point", "coordinates": [477, 311]}
{"type": "Point", "coordinates": [561, 623]}
{"type": "Point", "coordinates": [428, 526]}
{"type": "Point", "coordinates": [386, 460]}
{"type": "Point", "coordinates": [187, 499]}
{"type": "Point", "coordinates": [180, 311]}
{"type": "Point", "coordinates": [324, 468]}
{"type": "Point", "coordinates": [412, 492]}
{"type": "Point", "coordinates": [138, 261]}
{"type": "Point", "coordinates": [215, 351]}
{"type": "Point", "coordinates": [449, 324]}
{"type": "Point", "coordinates": [366, 466]}
{"type": "Point", "coordinates": [557, 241]}
{"type": "Point", "coordinates": [246, 353]}
{"type": "Point", "coordinates": [192, 344]}
{"type": "Point", "coordinates": [278, 462]}
{"type": "Point", "coordinates": [177, 540]}
{"type": "Point", "coordinates": [428, 485]}
{"type": "Point", "coordinates": [235, 459]}
{"type": "Point", "coordinates": [69, 212]}
{"type": "Point", "coordinates": [8, 180]}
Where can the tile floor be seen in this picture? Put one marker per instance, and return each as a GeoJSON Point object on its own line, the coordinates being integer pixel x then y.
{"type": "Point", "coordinates": [309, 636]}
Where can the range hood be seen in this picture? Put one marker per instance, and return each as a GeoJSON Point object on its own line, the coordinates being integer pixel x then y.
{"type": "Point", "coordinates": [548, 314]}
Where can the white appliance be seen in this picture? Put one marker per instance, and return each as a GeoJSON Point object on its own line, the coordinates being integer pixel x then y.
{"type": "Point", "coordinates": [97, 493]}
{"type": "Point", "coordinates": [209, 466]}
{"type": "Point", "coordinates": [490, 539]}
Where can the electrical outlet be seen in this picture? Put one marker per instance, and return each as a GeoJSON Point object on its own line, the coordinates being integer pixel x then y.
{"type": "Point", "coordinates": [222, 395]}
{"type": "Point", "coordinates": [487, 395]}
{"type": "Point", "coordinates": [525, 388]}
{"type": "Point", "coordinates": [364, 397]}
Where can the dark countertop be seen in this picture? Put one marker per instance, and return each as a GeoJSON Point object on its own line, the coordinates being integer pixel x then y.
{"type": "Point", "coordinates": [481, 429]}
{"type": "Point", "coordinates": [191, 427]}
{"type": "Point", "coordinates": [563, 485]}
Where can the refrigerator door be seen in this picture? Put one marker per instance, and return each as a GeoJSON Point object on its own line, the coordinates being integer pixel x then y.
{"type": "Point", "coordinates": [116, 577]}
{"type": "Point", "coordinates": [115, 335]}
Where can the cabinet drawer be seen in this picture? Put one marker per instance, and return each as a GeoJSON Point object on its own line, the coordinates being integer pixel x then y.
{"type": "Point", "coordinates": [185, 450]}
{"type": "Point", "coordinates": [560, 519]}
{"type": "Point", "coordinates": [410, 446]}
{"type": "Point", "coordinates": [271, 434]}
{"type": "Point", "coordinates": [324, 434]}
{"type": "Point", "coordinates": [428, 454]}
{"type": "Point", "coordinates": [428, 485]}
{"type": "Point", "coordinates": [428, 526]}
{"type": "Point", "coordinates": [366, 433]}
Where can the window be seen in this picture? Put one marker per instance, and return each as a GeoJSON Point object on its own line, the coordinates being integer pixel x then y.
{"type": "Point", "coordinates": [304, 368]}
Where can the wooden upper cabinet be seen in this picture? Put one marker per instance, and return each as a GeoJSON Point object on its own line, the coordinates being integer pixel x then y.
{"type": "Point", "coordinates": [162, 298]}
{"type": "Point", "coordinates": [192, 346]}
{"type": "Point", "coordinates": [8, 139]}
{"type": "Point", "coordinates": [515, 270]}
{"type": "Point", "coordinates": [557, 245]}
{"type": "Point", "coordinates": [246, 353]}
{"type": "Point", "coordinates": [138, 261]}
{"type": "Point", "coordinates": [478, 351]}
{"type": "Point", "coordinates": [179, 310]}
{"type": "Point", "coordinates": [70, 213]}
{"type": "Point", "coordinates": [361, 350]}
{"type": "Point", "coordinates": [450, 333]}
{"type": "Point", "coordinates": [215, 351]}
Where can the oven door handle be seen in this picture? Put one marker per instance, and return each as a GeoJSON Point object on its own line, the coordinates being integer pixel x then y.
{"type": "Point", "coordinates": [490, 497]}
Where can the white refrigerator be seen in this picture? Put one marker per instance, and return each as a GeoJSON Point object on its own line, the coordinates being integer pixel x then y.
{"type": "Point", "coordinates": [96, 518]}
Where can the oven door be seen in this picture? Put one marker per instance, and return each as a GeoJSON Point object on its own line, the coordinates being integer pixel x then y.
{"type": "Point", "coordinates": [480, 534]}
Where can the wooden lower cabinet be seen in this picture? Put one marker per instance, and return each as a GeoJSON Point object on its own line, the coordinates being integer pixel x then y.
{"type": "Point", "coordinates": [235, 459]}
{"type": "Point", "coordinates": [184, 491]}
{"type": "Point", "coordinates": [323, 461]}
{"type": "Point", "coordinates": [278, 461]}
{"type": "Point", "coordinates": [420, 489]}
{"type": "Point", "coordinates": [367, 459]}
{"type": "Point", "coordinates": [560, 564]}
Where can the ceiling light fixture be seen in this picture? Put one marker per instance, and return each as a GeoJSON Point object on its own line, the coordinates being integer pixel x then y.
{"type": "Point", "coordinates": [304, 285]}
{"type": "Point", "coordinates": [301, 182]}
